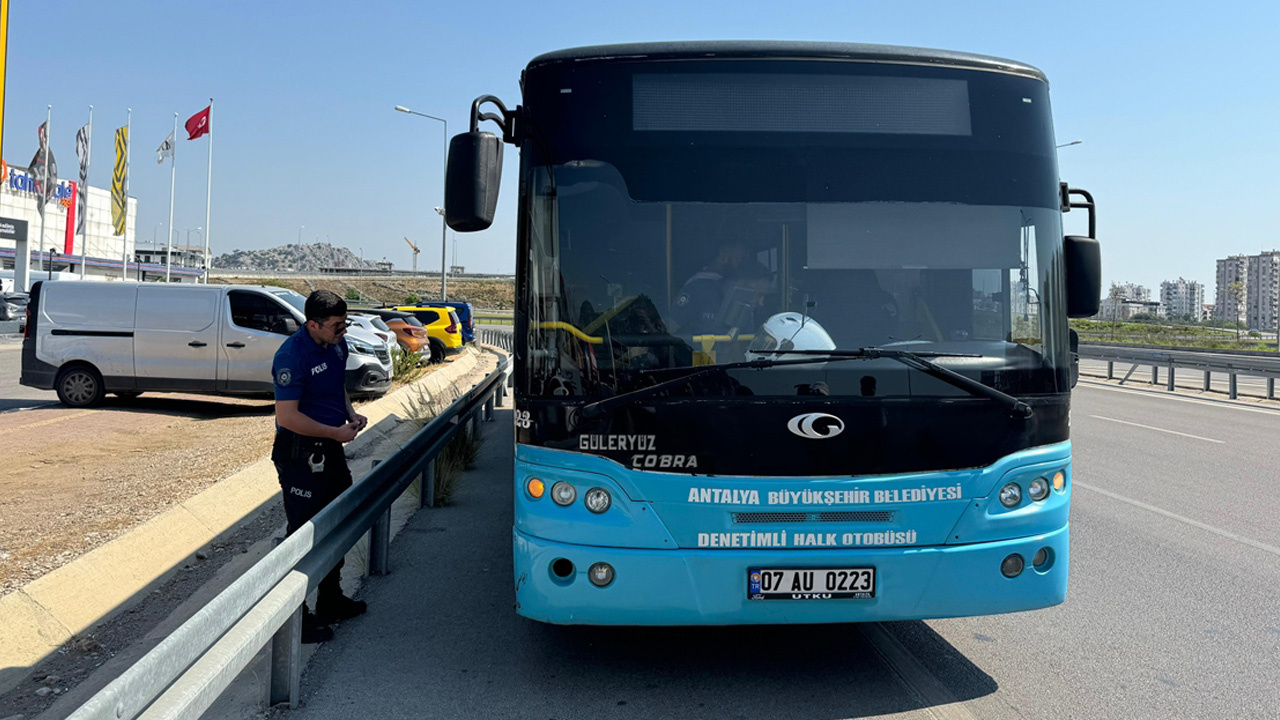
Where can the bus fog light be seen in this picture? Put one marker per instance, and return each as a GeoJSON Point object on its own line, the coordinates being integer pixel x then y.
{"type": "Point", "coordinates": [563, 493]}
{"type": "Point", "coordinates": [1059, 480]}
{"type": "Point", "coordinates": [1010, 495]}
{"type": "Point", "coordinates": [536, 488]}
{"type": "Point", "coordinates": [1040, 559]}
{"type": "Point", "coordinates": [1038, 489]}
{"type": "Point", "coordinates": [601, 574]}
{"type": "Point", "coordinates": [1012, 566]}
{"type": "Point", "coordinates": [597, 500]}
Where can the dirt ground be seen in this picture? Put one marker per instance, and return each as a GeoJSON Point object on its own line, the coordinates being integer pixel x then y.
{"type": "Point", "coordinates": [74, 479]}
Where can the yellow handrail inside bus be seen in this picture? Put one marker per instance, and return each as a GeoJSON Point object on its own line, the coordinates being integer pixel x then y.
{"type": "Point", "coordinates": [558, 325]}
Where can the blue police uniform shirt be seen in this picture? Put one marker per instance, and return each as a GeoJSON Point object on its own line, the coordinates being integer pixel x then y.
{"type": "Point", "coordinates": [314, 376]}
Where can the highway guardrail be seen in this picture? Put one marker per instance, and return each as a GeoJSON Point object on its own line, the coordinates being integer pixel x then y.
{"type": "Point", "coordinates": [1171, 361]}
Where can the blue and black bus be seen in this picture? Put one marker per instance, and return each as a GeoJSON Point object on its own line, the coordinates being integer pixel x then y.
{"type": "Point", "coordinates": [791, 338]}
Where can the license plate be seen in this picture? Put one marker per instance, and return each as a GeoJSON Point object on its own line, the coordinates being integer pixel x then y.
{"type": "Point", "coordinates": [811, 583]}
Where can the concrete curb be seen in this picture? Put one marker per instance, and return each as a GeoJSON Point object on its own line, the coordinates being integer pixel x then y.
{"type": "Point", "coordinates": [50, 610]}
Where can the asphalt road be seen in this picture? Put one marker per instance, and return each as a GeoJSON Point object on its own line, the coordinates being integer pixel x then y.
{"type": "Point", "coordinates": [1173, 609]}
{"type": "Point", "coordinates": [12, 395]}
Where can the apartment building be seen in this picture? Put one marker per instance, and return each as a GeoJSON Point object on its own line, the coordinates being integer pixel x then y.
{"type": "Point", "coordinates": [1182, 298]}
{"type": "Point", "coordinates": [1264, 291]}
{"type": "Point", "coordinates": [1229, 304]}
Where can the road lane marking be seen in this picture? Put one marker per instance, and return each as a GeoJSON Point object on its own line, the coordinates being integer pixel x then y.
{"type": "Point", "coordinates": [1166, 395]}
{"type": "Point", "coordinates": [51, 421]}
{"type": "Point", "coordinates": [1149, 427]}
{"type": "Point", "coordinates": [934, 697]}
{"type": "Point", "coordinates": [1174, 516]}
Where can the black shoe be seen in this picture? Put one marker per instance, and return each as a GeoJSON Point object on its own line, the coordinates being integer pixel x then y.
{"type": "Point", "coordinates": [338, 608]}
{"type": "Point", "coordinates": [313, 630]}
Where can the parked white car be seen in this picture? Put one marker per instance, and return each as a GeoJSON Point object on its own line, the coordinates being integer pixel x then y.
{"type": "Point", "coordinates": [375, 325]}
{"type": "Point", "coordinates": [87, 339]}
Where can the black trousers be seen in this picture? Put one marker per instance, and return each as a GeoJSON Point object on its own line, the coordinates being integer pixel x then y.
{"type": "Point", "coordinates": [313, 472]}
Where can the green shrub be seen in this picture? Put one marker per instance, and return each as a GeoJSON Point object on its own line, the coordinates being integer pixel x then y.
{"type": "Point", "coordinates": [406, 366]}
{"type": "Point", "coordinates": [353, 294]}
{"type": "Point", "coordinates": [412, 299]}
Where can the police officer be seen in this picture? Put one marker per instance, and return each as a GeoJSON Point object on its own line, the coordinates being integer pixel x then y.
{"type": "Point", "coordinates": [722, 297]}
{"type": "Point", "coordinates": [314, 417]}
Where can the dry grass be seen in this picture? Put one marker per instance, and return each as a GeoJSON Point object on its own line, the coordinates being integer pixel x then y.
{"type": "Point", "coordinates": [458, 456]}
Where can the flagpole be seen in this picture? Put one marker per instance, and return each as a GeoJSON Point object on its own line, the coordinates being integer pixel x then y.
{"type": "Point", "coordinates": [44, 185]}
{"type": "Point", "coordinates": [84, 238]}
{"type": "Point", "coordinates": [208, 196]}
{"type": "Point", "coordinates": [173, 177]}
{"type": "Point", "coordinates": [124, 238]}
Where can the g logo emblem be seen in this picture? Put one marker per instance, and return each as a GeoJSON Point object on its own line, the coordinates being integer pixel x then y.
{"type": "Point", "coordinates": [816, 426]}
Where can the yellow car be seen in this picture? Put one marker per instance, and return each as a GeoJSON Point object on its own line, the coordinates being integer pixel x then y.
{"type": "Point", "coordinates": [444, 331]}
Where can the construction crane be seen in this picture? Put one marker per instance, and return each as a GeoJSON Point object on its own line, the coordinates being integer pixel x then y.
{"type": "Point", "coordinates": [415, 254]}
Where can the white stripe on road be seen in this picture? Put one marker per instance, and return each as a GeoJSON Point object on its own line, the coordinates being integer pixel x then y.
{"type": "Point", "coordinates": [1166, 395]}
{"type": "Point", "coordinates": [1148, 427]}
{"type": "Point", "coordinates": [1174, 516]}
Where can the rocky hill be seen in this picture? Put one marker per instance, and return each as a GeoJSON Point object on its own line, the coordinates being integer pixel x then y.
{"type": "Point", "coordinates": [291, 258]}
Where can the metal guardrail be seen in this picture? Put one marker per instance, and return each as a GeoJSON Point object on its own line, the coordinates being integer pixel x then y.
{"type": "Point", "coordinates": [183, 675]}
{"type": "Point", "coordinates": [1207, 362]}
{"type": "Point", "coordinates": [497, 337]}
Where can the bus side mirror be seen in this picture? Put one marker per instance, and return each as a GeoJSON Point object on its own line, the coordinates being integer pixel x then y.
{"type": "Point", "coordinates": [471, 181]}
{"type": "Point", "coordinates": [1083, 257]}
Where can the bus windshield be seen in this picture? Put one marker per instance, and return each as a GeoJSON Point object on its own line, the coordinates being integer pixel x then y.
{"type": "Point", "coordinates": [699, 218]}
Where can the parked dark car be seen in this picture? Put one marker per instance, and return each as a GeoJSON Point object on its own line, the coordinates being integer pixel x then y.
{"type": "Point", "coordinates": [466, 315]}
{"type": "Point", "coordinates": [13, 306]}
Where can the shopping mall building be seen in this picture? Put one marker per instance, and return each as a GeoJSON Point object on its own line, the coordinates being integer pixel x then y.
{"type": "Point", "coordinates": [98, 255]}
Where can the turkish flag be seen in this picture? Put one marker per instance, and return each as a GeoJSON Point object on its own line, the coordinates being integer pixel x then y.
{"type": "Point", "coordinates": [198, 124]}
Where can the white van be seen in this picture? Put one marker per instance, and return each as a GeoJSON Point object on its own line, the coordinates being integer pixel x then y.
{"type": "Point", "coordinates": [87, 339]}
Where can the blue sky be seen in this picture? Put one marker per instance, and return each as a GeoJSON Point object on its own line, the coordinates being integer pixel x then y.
{"type": "Point", "coordinates": [1177, 104]}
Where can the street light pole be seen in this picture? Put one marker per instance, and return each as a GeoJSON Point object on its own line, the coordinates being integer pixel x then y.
{"type": "Point", "coordinates": [444, 160]}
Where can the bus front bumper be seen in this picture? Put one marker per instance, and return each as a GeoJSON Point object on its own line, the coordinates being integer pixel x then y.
{"type": "Point", "coordinates": [700, 587]}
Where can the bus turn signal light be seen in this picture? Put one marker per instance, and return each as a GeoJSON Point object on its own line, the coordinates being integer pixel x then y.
{"type": "Point", "coordinates": [535, 487]}
{"type": "Point", "coordinates": [1059, 480]}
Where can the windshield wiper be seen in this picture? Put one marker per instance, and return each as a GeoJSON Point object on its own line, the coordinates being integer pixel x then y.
{"type": "Point", "coordinates": [596, 409]}
{"type": "Point", "coordinates": [918, 362]}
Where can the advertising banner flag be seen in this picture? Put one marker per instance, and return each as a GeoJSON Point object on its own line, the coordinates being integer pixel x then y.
{"type": "Point", "coordinates": [82, 152]}
{"type": "Point", "coordinates": [44, 170]}
{"type": "Point", "coordinates": [119, 175]}
{"type": "Point", "coordinates": [198, 124]}
{"type": "Point", "coordinates": [165, 150]}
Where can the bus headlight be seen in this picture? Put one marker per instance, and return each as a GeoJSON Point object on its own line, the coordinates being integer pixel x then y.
{"type": "Point", "coordinates": [1010, 495]}
{"type": "Point", "coordinates": [563, 493]}
{"type": "Point", "coordinates": [1038, 489]}
{"type": "Point", "coordinates": [597, 500]}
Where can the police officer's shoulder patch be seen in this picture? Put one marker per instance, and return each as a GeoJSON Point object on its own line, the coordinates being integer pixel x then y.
{"type": "Point", "coordinates": [683, 299]}
{"type": "Point", "coordinates": [284, 377]}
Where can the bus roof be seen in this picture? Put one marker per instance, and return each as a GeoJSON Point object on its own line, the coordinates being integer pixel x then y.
{"type": "Point", "coordinates": [702, 49]}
